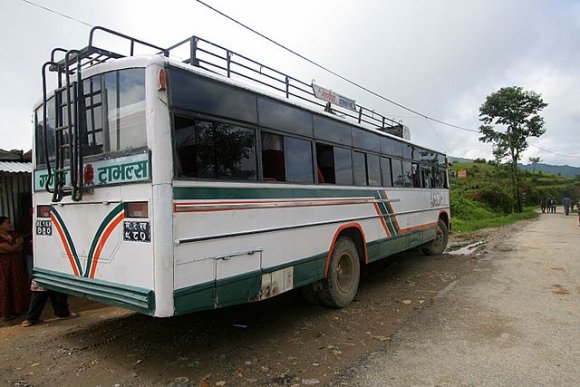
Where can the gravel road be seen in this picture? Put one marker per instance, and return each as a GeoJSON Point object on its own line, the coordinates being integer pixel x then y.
{"type": "Point", "coordinates": [514, 320]}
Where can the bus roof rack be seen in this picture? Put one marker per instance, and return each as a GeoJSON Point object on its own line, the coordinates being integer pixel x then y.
{"type": "Point", "coordinates": [217, 59]}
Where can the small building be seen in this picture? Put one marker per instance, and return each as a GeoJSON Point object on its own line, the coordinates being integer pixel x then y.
{"type": "Point", "coordinates": [16, 188]}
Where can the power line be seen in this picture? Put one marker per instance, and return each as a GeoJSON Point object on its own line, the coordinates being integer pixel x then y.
{"type": "Point", "coordinates": [554, 153]}
{"type": "Point", "coordinates": [331, 71]}
{"type": "Point", "coordinates": [57, 13]}
{"type": "Point", "coordinates": [426, 117]}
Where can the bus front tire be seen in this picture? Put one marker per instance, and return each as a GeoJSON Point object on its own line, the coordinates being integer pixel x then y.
{"type": "Point", "coordinates": [439, 244]}
{"type": "Point", "coordinates": [340, 286]}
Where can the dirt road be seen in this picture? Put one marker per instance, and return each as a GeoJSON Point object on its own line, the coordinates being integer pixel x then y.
{"type": "Point", "coordinates": [514, 320]}
{"type": "Point", "coordinates": [282, 341]}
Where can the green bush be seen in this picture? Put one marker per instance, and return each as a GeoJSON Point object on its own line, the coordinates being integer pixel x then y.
{"type": "Point", "coordinates": [497, 198]}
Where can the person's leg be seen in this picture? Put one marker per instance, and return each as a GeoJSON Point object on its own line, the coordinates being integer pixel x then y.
{"type": "Point", "coordinates": [59, 303]}
{"type": "Point", "coordinates": [37, 302]}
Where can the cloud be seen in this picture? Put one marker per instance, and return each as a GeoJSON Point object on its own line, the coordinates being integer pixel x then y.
{"type": "Point", "coordinates": [440, 58]}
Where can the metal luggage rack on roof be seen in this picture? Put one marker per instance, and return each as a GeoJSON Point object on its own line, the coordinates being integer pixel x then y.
{"type": "Point", "coordinates": [92, 55]}
{"type": "Point", "coordinates": [220, 60]}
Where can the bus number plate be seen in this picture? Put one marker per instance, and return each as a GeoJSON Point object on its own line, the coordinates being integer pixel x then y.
{"type": "Point", "coordinates": [134, 231]}
{"type": "Point", "coordinates": [43, 227]}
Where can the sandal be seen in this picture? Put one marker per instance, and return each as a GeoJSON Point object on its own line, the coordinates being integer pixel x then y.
{"type": "Point", "coordinates": [70, 315]}
{"type": "Point", "coordinates": [29, 323]}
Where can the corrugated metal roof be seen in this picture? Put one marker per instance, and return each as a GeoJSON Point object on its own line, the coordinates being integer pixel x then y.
{"type": "Point", "coordinates": [16, 166]}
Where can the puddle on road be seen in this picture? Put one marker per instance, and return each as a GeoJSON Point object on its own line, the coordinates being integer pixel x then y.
{"type": "Point", "coordinates": [466, 250]}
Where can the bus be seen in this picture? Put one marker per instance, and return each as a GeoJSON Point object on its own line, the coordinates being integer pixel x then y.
{"type": "Point", "coordinates": [167, 186]}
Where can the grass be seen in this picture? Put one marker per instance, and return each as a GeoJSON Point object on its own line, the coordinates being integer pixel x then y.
{"type": "Point", "coordinates": [491, 220]}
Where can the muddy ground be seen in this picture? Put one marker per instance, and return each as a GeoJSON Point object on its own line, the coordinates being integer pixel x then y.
{"type": "Point", "coordinates": [281, 341]}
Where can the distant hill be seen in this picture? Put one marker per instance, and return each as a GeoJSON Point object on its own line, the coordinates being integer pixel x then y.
{"type": "Point", "coordinates": [561, 170]}
{"type": "Point", "coordinates": [558, 170]}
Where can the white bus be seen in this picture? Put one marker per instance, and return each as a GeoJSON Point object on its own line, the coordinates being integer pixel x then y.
{"type": "Point", "coordinates": [169, 186]}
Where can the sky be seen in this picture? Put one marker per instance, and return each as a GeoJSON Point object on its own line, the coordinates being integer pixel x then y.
{"type": "Point", "coordinates": [440, 58]}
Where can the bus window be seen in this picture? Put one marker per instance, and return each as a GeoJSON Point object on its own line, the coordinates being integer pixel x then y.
{"type": "Point", "coordinates": [440, 176]}
{"type": "Point", "coordinates": [391, 147]}
{"type": "Point", "coordinates": [374, 170]}
{"type": "Point", "coordinates": [415, 176]}
{"type": "Point", "coordinates": [280, 116]}
{"type": "Point", "coordinates": [273, 157]}
{"type": "Point", "coordinates": [197, 94]}
{"type": "Point", "coordinates": [427, 177]}
{"type": "Point", "coordinates": [407, 174]}
{"type": "Point", "coordinates": [207, 149]}
{"type": "Point", "coordinates": [40, 151]}
{"type": "Point", "coordinates": [298, 160]}
{"type": "Point", "coordinates": [398, 177]}
{"type": "Point", "coordinates": [359, 168]}
{"type": "Point", "coordinates": [325, 164]}
{"type": "Point", "coordinates": [343, 166]}
{"type": "Point", "coordinates": [386, 171]}
{"type": "Point", "coordinates": [115, 111]}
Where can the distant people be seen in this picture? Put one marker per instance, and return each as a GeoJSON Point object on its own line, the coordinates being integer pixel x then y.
{"type": "Point", "coordinates": [40, 295]}
{"type": "Point", "coordinates": [543, 205]}
{"type": "Point", "coordinates": [13, 284]}
{"type": "Point", "coordinates": [566, 204]}
{"type": "Point", "coordinates": [552, 205]}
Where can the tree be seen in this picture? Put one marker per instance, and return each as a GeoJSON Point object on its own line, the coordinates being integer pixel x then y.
{"type": "Point", "coordinates": [516, 111]}
{"type": "Point", "coordinates": [534, 161]}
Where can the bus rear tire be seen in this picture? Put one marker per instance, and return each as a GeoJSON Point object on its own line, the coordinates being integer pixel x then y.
{"type": "Point", "coordinates": [439, 244]}
{"type": "Point", "coordinates": [341, 285]}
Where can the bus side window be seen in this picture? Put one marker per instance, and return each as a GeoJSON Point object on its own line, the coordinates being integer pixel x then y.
{"type": "Point", "coordinates": [359, 168]}
{"type": "Point", "coordinates": [427, 177]}
{"type": "Point", "coordinates": [214, 150]}
{"type": "Point", "coordinates": [298, 160]}
{"type": "Point", "coordinates": [273, 157]}
{"type": "Point", "coordinates": [416, 177]}
{"type": "Point", "coordinates": [407, 174]}
{"type": "Point", "coordinates": [387, 177]}
{"type": "Point", "coordinates": [398, 177]}
{"type": "Point", "coordinates": [374, 170]}
{"type": "Point", "coordinates": [325, 163]}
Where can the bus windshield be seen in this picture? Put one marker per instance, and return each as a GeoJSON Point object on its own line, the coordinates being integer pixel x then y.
{"type": "Point", "coordinates": [115, 115]}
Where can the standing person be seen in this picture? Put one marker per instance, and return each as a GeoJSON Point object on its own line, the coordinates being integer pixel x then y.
{"type": "Point", "coordinates": [566, 204]}
{"type": "Point", "coordinates": [13, 285]}
{"type": "Point", "coordinates": [26, 233]}
{"type": "Point", "coordinates": [543, 205]}
{"type": "Point", "coordinates": [40, 295]}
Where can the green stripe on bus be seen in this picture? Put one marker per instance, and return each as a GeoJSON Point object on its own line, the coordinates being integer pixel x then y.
{"type": "Point", "coordinates": [221, 193]}
{"type": "Point", "coordinates": [99, 233]}
{"type": "Point", "coordinates": [68, 240]}
{"type": "Point", "coordinates": [387, 212]}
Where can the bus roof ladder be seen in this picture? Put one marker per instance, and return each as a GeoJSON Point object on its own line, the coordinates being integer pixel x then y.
{"type": "Point", "coordinates": [70, 124]}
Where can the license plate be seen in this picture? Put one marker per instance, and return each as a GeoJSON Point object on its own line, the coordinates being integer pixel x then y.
{"type": "Point", "coordinates": [135, 231]}
{"type": "Point", "coordinates": [44, 227]}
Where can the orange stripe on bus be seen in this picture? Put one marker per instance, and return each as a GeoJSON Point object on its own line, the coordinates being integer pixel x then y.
{"type": "Point", "coordinates": [103, 240]}
{"type": "Point", "coordinates": [392, 212]}
{"type": "Point", "coordinates": [290, 204]}
{"type": "Point", "coordinates": [65, 244]}
{"type": "Point", "coordinates": [420, 227]}
{"type": "Point", "coordinates": [338, 231]}
{"type": "Point", "coordinates": [383, 222]}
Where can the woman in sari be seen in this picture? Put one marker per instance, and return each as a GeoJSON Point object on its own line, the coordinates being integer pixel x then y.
{"type": "Point", "coordinates": [14, 293]}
